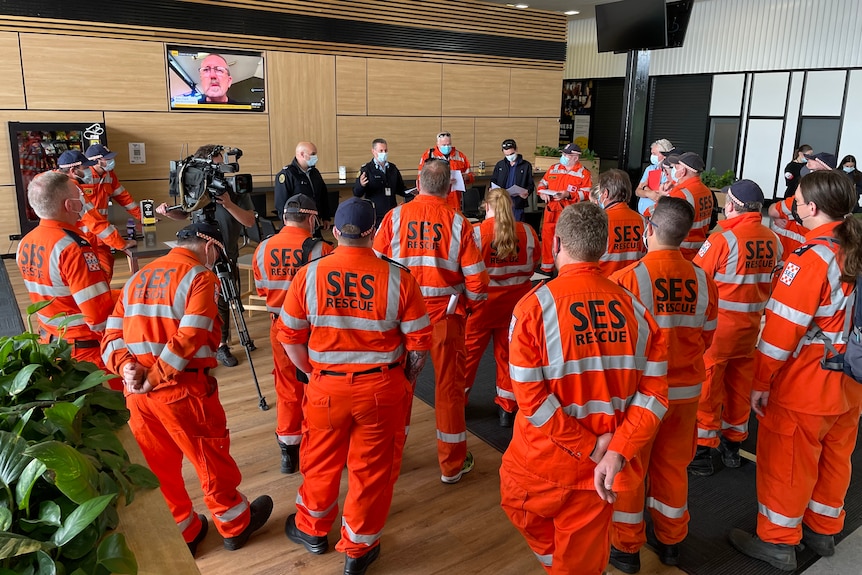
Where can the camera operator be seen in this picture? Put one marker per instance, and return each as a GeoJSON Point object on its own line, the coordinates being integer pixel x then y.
{"type": "Point", "coordinates": [232, 213]}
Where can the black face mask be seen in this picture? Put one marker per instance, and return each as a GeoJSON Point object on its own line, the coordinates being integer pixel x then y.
{"type": "Point", "coordinates": [794, 213]}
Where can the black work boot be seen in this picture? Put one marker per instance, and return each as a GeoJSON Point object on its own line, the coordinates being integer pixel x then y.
{"type": "Point", "coordinates": [667, 553]}
{"type": "Point", "coordinates": [729, 451]}
{"type": "Point", "coordinates": [823, 545]}
{"type": "Point", "coordinates": [260, 510]}
{"type": "Point", "coordinates": [701, 465]}
{"type": "Point", "coordinates": [625, 562]}
{"type": "Point", "coordinates": [507, 418]}
{"type": "Point", "coordinates": [317, 544]}
{"type": "Point", "coordinates": [289, 458]}
{"type": "Point", "coordinates": [778, 555]}
{"type": "Point", "coordinates": [359, 565]}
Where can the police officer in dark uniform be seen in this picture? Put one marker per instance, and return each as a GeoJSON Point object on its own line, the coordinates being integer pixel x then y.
{"type": "Point", "coordinates": [301, 177]}
{"type": "Point", "coordinates": [380, 181]}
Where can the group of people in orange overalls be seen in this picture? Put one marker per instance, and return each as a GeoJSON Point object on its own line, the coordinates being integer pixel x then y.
{"type": "Point", "coordinates": [626, 371]}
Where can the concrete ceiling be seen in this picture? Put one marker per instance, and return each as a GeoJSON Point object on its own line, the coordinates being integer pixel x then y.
{"type": "Point", "coordinates": [585, 7]}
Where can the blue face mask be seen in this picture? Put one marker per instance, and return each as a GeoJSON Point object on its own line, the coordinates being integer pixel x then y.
{"type": "Point", "coordinates": [445, 150]}
{"type": "Point", "coordinates": [381, 157]}
{"type": "Point", "coordinates": [88, 176]}
{"type": "Point", "coordinates": [673, 174]}
{"type": "Point", "coordinates": [110, 165]}
{"type": "Point", "coordinates": [849, 170]}
{"type": "Point", "coordinates": [653, 159]}
{"type": "Point", "coordinates": [565, 160]}
{"type": "Point", "coordinates": [511, 157]}
{"type": "Point", "coordinates": [312, 160]}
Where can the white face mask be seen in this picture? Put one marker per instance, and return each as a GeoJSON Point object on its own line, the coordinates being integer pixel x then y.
{"type": "Point", "coordinates": [312, 160]}
{"type": "Point", "coordinates": [653, 159]}
{"type": "Point", "coordinates": [511, 157]}
{"type": "Point", "coordinates": [381, 157]}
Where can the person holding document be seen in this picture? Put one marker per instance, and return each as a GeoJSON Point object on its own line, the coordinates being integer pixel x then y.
{"type": "Point", "coordinates": [513, 170]}
{"type": "Point", "coordinates": [458, 162]}
{"type": "Point", "coordinates": [566, 182]}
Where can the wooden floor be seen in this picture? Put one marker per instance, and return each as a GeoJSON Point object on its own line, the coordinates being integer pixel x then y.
{"type": "Point", "coordinates": [432, 528]}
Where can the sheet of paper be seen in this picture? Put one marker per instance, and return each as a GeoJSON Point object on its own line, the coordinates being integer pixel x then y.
{"type": "Point", "coordinates": [493, 185]}
{"type": "Point", "coordinates": [457, 181]}
{"type": "Point", "coordinates": [517, 191]}
{"type": "Point", "coordinates": [411, 191]}
{"type": "Point", "coordinates": [171, 245]}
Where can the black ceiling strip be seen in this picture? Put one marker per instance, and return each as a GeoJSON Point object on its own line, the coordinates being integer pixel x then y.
{"type": "Point", "coordinates": [234, 20]}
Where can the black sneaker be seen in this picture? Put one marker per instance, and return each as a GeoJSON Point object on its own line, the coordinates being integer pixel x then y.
{"type": "Point", "coordinates": [507, 418]}
{"type": "Point", "coordinates": [702, 465]}
{"type": "Point", "coordinates": [226, 358]}
{"type": "Point", "coordinates": [193, 544]}
{"type": "Point", "coordinates": [667, 554]}
{"type": "Point", "coordinates": [625, 562]}
{"type": "Point", "coordinates": [358, 565]}
{"type": "Point", "coordinates": [261, 509]}
{"type": "Point", "coordinates": [729, 451]}
{"type": "Point", "coordinates": [313, 543]}
{"type": "Point", "coordinates": [289, 458]}
{"type": "Point", "coordinates": [823, 545]}
{"type": "Point", "coordinates": [779, 556]}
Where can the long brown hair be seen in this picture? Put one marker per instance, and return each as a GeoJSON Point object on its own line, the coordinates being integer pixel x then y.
{"type": "Point", "coordinates": [833, 194]}
{"type": "Point", "coordinates": [505, 239]}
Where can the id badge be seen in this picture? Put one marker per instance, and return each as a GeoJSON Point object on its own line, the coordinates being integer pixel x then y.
{"type": "Point", "coordinates": [388, 191]}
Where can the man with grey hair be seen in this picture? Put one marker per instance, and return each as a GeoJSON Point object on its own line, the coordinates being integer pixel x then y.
{"type": "Point", "coordinates": [58, 264]}
{"type": "Point", "coordinates": [648, 190]}
{"type": "Point", "coordinates": [589, 371]}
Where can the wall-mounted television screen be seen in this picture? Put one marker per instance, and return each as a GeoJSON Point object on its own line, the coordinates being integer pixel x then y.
{"type": "Point", "coordinates": [631, 25]}
{"type": "Point", "coordinates": [213, 79]}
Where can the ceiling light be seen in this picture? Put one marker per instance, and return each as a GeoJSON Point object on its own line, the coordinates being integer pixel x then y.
{"type": "Point", "coordinates": [572, 12]}
{"type": "Point", "coordinates": [522, 6]}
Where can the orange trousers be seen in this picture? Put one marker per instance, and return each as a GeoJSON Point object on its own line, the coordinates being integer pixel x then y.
{"type": "Point", "coordinates": [448, 357]}
{"type": "Point", "coordinates": [289, 392]}
{"type": "Point", "coordinates": [725, 400]}
{"type": "Point", "coordinates": [188, 419]}
{"type": "Point", "coordinates": [567, 529]}
{"type": "Point", "coordinates": [666, 493]}
{"type": "Point", "coordinates": [549, 226]}
{"type": "Point", "coordinates": [357, 420]}
{"type": "Point", "coordinates": [803, 472]}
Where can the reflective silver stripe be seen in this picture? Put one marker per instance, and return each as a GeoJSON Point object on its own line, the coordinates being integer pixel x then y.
{"type": "Point", "coordinates": [395, 241]}
{"type": "Point", "coordinates": [111, 347]}
{"type": "Point", "coordinates": [273, 309]}
{"type": "Point", "coordinates": [98, 327]}
{"type": "Point", "coordinates": [691, 245]}
{"type": "Point", "coordinates": [312, 512]}
{"type": "Point", "coordinates": [114, 322]}
{"type": "Point", "coordinates": [786, 233]}
{"type": "Point", "coordinates": [706, 433]}
{"type": "Point", "coordinates": [292, 322]}
{"type": "Point", "coordinates": [650, 403]}
{"type": "Point", "coordinates": [452, 437]}
{"type": "Point", "coordinates": [773, 351]}
{"type": "Point", "coordinates": [628, 518]}
{"type": "Point", "coordinates": [357, 538]}
{"type": "Point", "coordinates": [655, 368]}
{"type": "Point", "coordinates": [644, 282]}
{"type": "Point", "coordinates": [353, 323]}
{"type": "Point", "coordinates": [471, 295]}
{"type": "Point", "coordinates": [822, 509]}
{"type": "Point", "coordinates": [290, 439]}
{"type": "Point", "coordinates": [150, 310]}
{"type": "Point", "coordinates": [358, 357]}
{"type": "Point", "coordinates": [665, 509]}
{"type": "Point", "coordinates": [686, 392]}
{"type": "Point", "coordinates": [710, 325]}
{"type": "Point", "coordinates": [508, 270]}
{"type": "Point", "coordinates": [47, 291]}
{"type": "Point", "coordinates": [629, 256]}
{"type": "Point", "coordinates": [477, 236]}
{"type": "Point", "coordinates": [526, 374]}
{"type": "Point", "coordinates": [311, 308]}
{"type": "Point", "coordinates": [740, 428]}
{"type": "Point", "coordinates": [104, 212]}
{"type": "Point", "coordinates": [197, 321]}
{"type": "Point", "coordinates": [509, 282]}
{"type": "Point", "coordinates": [107, 232]}
{"type": "Point", "coordinates": [551, 324]}
{"type": "Point", "coordinates": [185, 523]}
{"type": "Point", "coordinates": [234, 511]}
{"type": "Point", "coordinates": [415, 325]}
{"type": "Point", "coordinates": [173, 360]}
{"type": "Point", "coordinates": [546, 560]}
{"type": "Point", "coordinates": [458, 223]}
{"type": "Point", "coordinates": [474, 269]}
{"type": "Point", "coordinates": [743, 279]}
{"type": "Point", "coordinates": [505, 394]}
{"type": "Point", "coordinates": [679, 320]}
{"type": "Point", "coordinates": [595, 406]}
{"type": "Point", "coordinates": [271, 284]}
{"type": "Point", "coordinates": [440, 291]}
{"type": "Point", "coordinates": [54, 269]}
{"type": "Point", "coordinates": [88, 293]}
{"type": "Point", "coordinates": [545, 412]}
{"type": "Point", "coordinates": [778, 518]}
{"type": "Point", "coordinates": [393, 295]}
{"type": "Point", "coordinates": [741, 307]}
{"type": "Point", "coordinates": [145, 347]}
{"type": "Point", "coordinates": [790, 314]}
{"type": "Point", "coordinates": [428, 261]}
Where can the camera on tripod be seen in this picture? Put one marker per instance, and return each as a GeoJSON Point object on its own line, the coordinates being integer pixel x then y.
{"type": "Point", "coordinates": [197, 182]}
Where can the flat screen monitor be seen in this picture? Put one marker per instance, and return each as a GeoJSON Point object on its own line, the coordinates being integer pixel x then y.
{"type": "Point", "coordinates": [631, 25]}
{"type": "Point", "coordinates": [678, 14]}
{"type": "Point", "coordinates": [214, 79]}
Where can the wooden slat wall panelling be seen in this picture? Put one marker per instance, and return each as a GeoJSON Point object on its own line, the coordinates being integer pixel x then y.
{"type": "Point", "coordinates": [463, 132]}
{"type": "Point", "coordinates": [475, 90]}
{"type": "Point", "coordinates": [12, 86]}
{"type": "Point", "coordinates": [404, 88]}
{"type": "Point", "coordinates": [490, 133]}
{"type": "Point", "coordinates": [548, 134]}
{"type": "Point", "coordinates": [165, 133]}
{"type": "Point", "coordinates": [351, 85]}
{"type": "Point", "coordinates": [535, 93]}
{"type": "Point", "coordinates": [301, 102]}
{"type": "Point", "coordinates": [60, 73]}
{"type": "Point", "coordinates": [9, 222]}
{"type": "Point", "coordinates": [408, 138]}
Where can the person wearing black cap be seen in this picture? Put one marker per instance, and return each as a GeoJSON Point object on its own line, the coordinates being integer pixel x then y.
{"type": "Point", "coordinates": [686, 171]}
{"type": "Point", "coordinates": [379, 180]}
{"type": "Point", "coordinates": [275, 263]}
{"type": "Point", "coordinates": [357, 324]}
{"type": "Point", "coordinates": [160, 339]}
{"type": "Point", "coordinates": [514, 170]}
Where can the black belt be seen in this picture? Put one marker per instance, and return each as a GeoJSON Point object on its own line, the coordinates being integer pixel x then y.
{"type": "Point", "coordinates": [378, 369]}
{"type": "Point", "coordinates": [203, 370]}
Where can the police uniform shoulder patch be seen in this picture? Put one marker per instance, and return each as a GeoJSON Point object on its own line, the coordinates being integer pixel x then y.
{"type": "Point", "coordinates": [92, 261]}
{"type": "Point", "coordinates": [393, 262]}
{"type": "Point", "coordinates": [704, 248]}
{"type": "Point", "coordinates": [789, 273]}
{"type": "Point", "coordinates": [281, 178]}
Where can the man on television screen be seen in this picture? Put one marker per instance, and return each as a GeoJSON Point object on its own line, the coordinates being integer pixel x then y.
{"type": "Point", "coordinates": [215, 80]}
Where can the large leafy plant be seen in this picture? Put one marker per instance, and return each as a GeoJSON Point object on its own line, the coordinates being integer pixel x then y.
{"type": "Point", "coordinates": [62, 466]}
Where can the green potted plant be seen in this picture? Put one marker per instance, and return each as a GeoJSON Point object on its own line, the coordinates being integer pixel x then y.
{"type": "Point", "coordinates": [62, 466]}
{"type": "Point", "coordinates": [590, 161]}
{"type": "Point", "coordinates": [546, 156]}
{"type": "Point", "coordinates": [716, 181]}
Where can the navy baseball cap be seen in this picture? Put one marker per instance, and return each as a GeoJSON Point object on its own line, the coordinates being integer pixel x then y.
{"type": "Point", "coordinates": [825, 157]}
{"type": "Point", "coordinates": [300, 204]}
{"type": "Point", "coordinates": [572, 149]}
{"type": "Point", "coordinates": [73, 159]}
{"type": "Point", "coordinates": [355, 212]}
{"type": "Point", "coordinates": [509, 144]}
{"type": "Point", "coordinates": [203, 231]}
{"type": "Point", "coordinates": [690, 159]}
{"type": "Point", "coordinates": [744, 192]}
{"type": "Point", "coordinates": [98, 151]}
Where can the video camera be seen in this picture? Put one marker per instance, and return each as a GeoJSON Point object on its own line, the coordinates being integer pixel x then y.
{"type": "Point", "coordinates": [197, 181]}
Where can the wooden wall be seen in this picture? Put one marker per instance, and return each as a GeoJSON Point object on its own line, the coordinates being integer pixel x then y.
{"type": "Point", "coordinates": [340, 102]}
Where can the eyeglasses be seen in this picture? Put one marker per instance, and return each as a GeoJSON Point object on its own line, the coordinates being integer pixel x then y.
{"type": "Point", "coordinates": [652, 223]}
{"type": "Point", "coordinates": [444, 135]}
{"type": "Point", "coordinates": [219, 70]}
{"type": "Point", "coordinates": [802, 204]}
